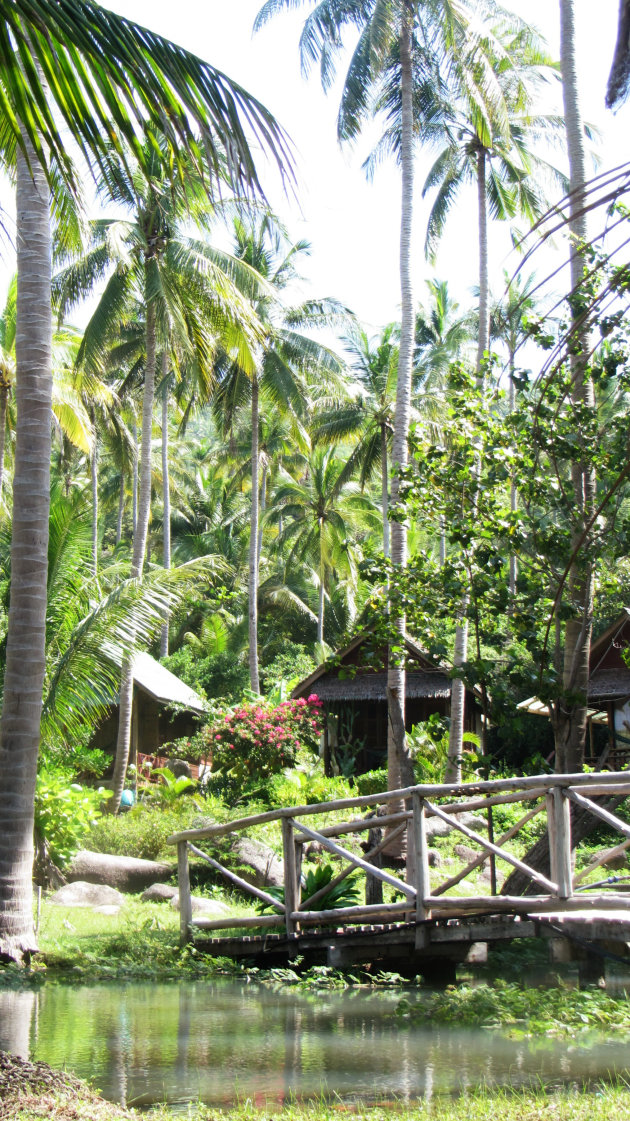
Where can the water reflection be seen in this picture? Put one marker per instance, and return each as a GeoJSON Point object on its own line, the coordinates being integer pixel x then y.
{"type": "Point", "coordinates": [220, 1041]}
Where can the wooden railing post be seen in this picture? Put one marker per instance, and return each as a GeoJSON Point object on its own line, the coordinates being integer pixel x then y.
{"type": "Point", "coordinates": [421, 863]}
{"type": "Point", "coordinates": [291, 885]}
{"type": "Point", "coordinates": [185, 901]}
{"type": "Point", "coordinates": [559, 826]}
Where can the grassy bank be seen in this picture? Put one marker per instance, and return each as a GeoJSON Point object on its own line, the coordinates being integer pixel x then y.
{"type": "Point", "coordinates": [603, 1104]}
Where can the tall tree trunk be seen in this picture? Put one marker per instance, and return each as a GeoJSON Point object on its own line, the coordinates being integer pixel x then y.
{"type": "Point", "coordinates": [134, 477]}
{"type": "Point", "coordinates": [322, 576]}
{"type": "Point", "coordinates": [399, 763]}
{"type": "Point", "coordinates": [125, 707]}
{"type": "Point", "coordinates": [513, 570]}
{"type": "Point", "coordinates": [4, 399]}
{"type": "Point", "coordinates": [460, 654]}
{"type": "Point", "coordinates": [26, 637]}
{"type": "Point", "coordinates": [94, 481]}
{"type": "Point", "coordinates": [121, 506]}
{"type": "Point", "coordinates": [570, 712]}
{"type": "Point", "coordinates": [166, 493]}
{"type": "Point", "coordinates": [385, 490]}
{"type": "Point", "coordinates": [262, 507]}
{"type": "Point", "coordinates": [253, 549]}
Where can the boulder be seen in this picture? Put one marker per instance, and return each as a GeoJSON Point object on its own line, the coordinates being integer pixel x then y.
{"type": "Point", "coordinates": [435, 827]}
{"type": "Point", "coordinates": [82, 894]}
{"type": "Point", "coordinates": [257, 863]}
{"type": "Point", "coordinates": [159, 893]}
{"type": "Point", "coordinates": [201, 905]}
{"type": "Point", "coordinates": [467, 853]}
{"type": "Point", "coordinates": [126, 873]}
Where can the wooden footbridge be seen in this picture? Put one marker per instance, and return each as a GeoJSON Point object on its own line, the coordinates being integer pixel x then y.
{"type": "Point", "coordinates": [427, 926]}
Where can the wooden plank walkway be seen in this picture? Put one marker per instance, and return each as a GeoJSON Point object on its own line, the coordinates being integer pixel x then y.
{"type": "Point", "coordinates": [429, 929]}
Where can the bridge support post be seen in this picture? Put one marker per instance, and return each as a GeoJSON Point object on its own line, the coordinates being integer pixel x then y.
{"type": "Point", "coordinates": [185, 901]}
{"type": "Point", "coordinates": [291, 880]}
{"type": "Point", "coordinates": [559, 826]}
{"type": "Point", "coordinates": [421, 866]}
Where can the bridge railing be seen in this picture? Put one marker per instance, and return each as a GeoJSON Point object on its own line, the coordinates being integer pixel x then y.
{"type": "Point", "coordinates": [408, 811]}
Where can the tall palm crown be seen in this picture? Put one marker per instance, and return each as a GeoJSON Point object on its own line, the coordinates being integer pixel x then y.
{"type": "Point", "coordinates": [286, 362]}
{"type": "Point", "coordinates": [366, 418]}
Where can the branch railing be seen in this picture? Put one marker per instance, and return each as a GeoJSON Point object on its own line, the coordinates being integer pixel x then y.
{"type": "Point", "coordinates": [422, 900]}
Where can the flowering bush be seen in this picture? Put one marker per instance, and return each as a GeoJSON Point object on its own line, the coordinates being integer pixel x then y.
{"type": "Point", "coordinates": [254, 741]}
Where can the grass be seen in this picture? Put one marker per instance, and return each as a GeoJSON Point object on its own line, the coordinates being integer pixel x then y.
{"type": "Point", "coordinates": [604, 1103]}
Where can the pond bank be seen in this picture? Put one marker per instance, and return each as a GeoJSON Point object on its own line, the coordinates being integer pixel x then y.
{"type": "Point", "coordinates": [34, 1092]}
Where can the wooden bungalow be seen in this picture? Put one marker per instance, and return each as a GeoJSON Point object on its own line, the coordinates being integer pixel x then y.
{"type": "Point", "coordinates": [164, 709]}
{"type": "Point", "coordinates": [608, 696]}
{"type": "Point", "coordinates": [353, 688]}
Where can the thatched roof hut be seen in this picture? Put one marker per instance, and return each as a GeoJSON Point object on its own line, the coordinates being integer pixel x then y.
{"type": "Point", "coordinates": [353, 686]}
{"type": "Point", "coordinates": [164, 709]}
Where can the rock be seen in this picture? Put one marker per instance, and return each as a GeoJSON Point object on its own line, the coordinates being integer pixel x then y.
{"type": "Point", "coordinates": [616, 863]}
{"type": "Point", "coordinates": [179, 768]}
{"type": "Point", "coordinates": [434, 858]}
{"type": "Point", "coordinates": [466, 853]}
{"type": "Point", "coordinates": [106, 909]}
{"type": "Point", "coordinates": [435, 827]}
{"type": "Point", "coordinates": [257, 863]}
{"type": "Point", "coordinates": [82, 894]}
{"type": "Point", "coordinates": [159, 893]}
{"type": "Point", "coordinates": [201, 905]}
{"type": "Point", "coordinates": [312, 851]}
{"type": "Point", "coordinates": [126, 873]}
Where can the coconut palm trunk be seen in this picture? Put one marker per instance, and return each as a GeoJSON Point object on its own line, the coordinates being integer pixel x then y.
{"type": "Point", "coordinates": [134, 476]}
{"type": "Point", "coordinates": [125, 707]}
{"type": "Point", "coordinates": [4, 401]}
{"type": "Point", "coordinates": [25, 656]}
{"type": "Point", "coordinates": [166, 493]}
{"type": "Point", "coordinates": [399, 764]}
{"type": "Point", "coordinates": [253, 545]}
{"type": "Point", "coordinates": [385, 490]}
{"type": "Point", "coordinates": [322, 582]}
{"type": "Point", "coordinates": [94, 482]}
{"type": "Point", "coordinates": [571, 715]}
{"type": "Point", "coordinates": [121, 506]}
{"type": "Point", "coordinates": [453, 771]}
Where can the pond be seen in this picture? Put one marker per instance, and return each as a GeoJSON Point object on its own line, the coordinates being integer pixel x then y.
{"type": "Point", "coordinates": [222, 1040]}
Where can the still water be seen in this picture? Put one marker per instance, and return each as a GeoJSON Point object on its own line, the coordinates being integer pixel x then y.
{"type": "Point", "coordinates": [223, 1040]}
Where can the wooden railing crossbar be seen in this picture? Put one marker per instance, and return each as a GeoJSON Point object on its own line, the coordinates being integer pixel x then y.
{"type": "Point", "coordinates": [603, 858]}
{"type": "Point", "coordinates": [507, 856]}
{"type": "Point", "coordinates": [378, 873]}
{"type": "Point", "coordinates": [426, 790]}
{"type": "Point", "coordinates": [481, 859]}
{"type": "Point", "coordinates": [238, 881]}
{"type": "Point", "coordinates": [599, 811]}
{"type": "Point", "coordinates": [343, 875]}
{"type": "Point", "coordinates": [421, 903]}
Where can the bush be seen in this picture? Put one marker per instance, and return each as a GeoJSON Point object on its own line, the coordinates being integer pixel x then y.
{"type": "Point", "coordinates": [142, 832]}
{"type": "Point", "coordinates": [223, 675]}
{"type": "Point", "coordinates": [372, 782]}
{"type": "Point", "coordinates": [252, 741]}
{"type": "Point", "coordinates": [64, 813]}
{"type": "Point", "coordinates": [292, 665]}
{"type": "Point", "coordinates": [306, 788]}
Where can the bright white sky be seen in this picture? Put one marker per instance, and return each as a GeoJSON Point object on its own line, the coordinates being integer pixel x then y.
{"type": "Point", "coordinates": [353, 225]}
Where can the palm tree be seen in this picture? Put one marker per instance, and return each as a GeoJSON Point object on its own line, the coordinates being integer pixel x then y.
{"type": "Point", "coordinates": [318, 514]}
{"type": "Point", "coordinates": [404, 47]}
{"type": "Point", "coordinates": [285, 360]}
{"type": "Point", "coordinates": [183, 293]}
{"type": "Point", "coordinates": [508, 323]}
{"type": "Point", "coordinates": [367, 417]}
{"type": "Point", "coordinates": [571, 713]}
{"type": "Point", "coordinates": [101, 70]}
{"type": "Point", "coordinates": [494, 152]}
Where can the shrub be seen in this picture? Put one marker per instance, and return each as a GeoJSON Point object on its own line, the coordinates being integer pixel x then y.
{"type": "Point", "coordinates": [142, 832]}
{"type": "Point", "coordinates": [372, 782]}
{"type": "Point", "coordinates": [253, 741]}
{"type": "Point", "coordinates": [305, 788]}
{"type": "Point", "coordinates": [64, 813]}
